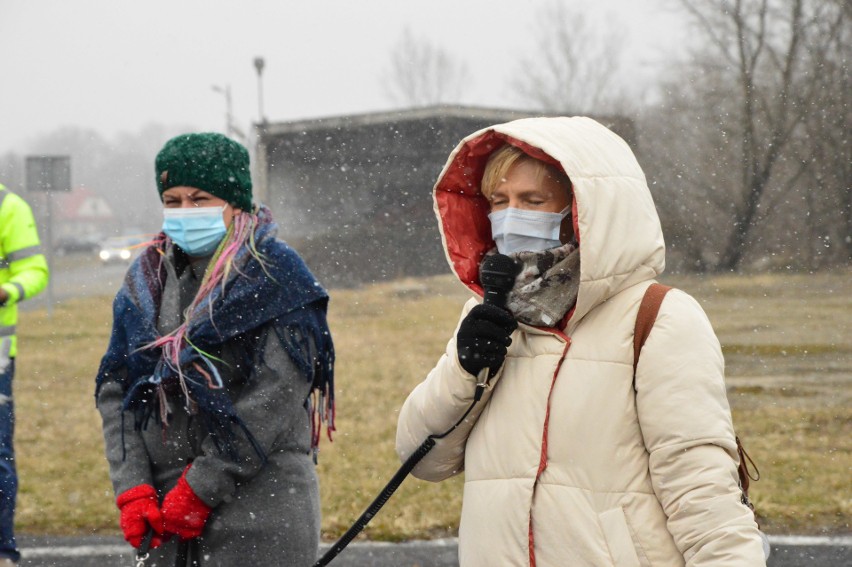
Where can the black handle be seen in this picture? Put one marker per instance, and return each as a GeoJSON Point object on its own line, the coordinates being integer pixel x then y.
{"type": "Point", "coordinates": [144, 547]}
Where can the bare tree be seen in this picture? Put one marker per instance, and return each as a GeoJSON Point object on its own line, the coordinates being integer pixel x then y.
{"type": "Point", "coordinates": [692, 193]}
{"type": "Point", "coordinates": [768, 53]}
{"type": "Point", "coordinates": [119, 169]}
{"type": "Point", "coordinates": [825, 143]}
{"type": "Point", "coordinates": [421, 74]}
{"type": "Point", "coordinates": [574, 68]}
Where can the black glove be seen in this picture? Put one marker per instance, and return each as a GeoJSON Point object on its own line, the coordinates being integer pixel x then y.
{"type": "Point", "coordinates": [483, 337]}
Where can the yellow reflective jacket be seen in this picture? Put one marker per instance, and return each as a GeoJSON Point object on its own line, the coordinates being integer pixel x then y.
{"type": "Point", "coordinates": [23, 268]}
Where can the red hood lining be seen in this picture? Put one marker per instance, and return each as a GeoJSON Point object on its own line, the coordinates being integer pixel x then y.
{"type": "Point", "coordinates": [463, 210]}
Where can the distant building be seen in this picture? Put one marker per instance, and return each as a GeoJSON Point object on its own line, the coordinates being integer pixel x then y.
{"type": "Point", "coordinates": [81, 217]}
{"type": "Point", "coordinates": [353, 193]}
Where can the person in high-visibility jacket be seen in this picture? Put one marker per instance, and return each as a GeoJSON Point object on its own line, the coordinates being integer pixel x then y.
{"type": "Point", "coordinates": [23, 274]}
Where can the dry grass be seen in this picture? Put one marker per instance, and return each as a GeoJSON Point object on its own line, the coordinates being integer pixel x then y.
{"type": "Point", "coordinates": [63, 475]}
{"type": "Point", "coordinates": [387, 339]}
{"type": "Point", "coordinates": [788, 351]}
{"type": "Point", "coordinates": [786, 340]}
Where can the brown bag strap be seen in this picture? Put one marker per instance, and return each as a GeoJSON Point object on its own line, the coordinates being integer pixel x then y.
{"type": "Point", "coordinates": [744, 472]}
{"type": "Point", "coordinates": [645, 318]}
{"type": "Point", "coordinates": [648, 310]}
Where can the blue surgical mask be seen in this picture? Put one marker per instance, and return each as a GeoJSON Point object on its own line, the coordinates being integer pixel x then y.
{"type": "Point", "coordinates": [197, 230]}
{"type": "Point", "coordinates": [518, 230]}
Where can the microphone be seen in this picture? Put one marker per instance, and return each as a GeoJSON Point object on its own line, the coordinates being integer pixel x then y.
{"type": "Point", "coordinates": [497, 275]}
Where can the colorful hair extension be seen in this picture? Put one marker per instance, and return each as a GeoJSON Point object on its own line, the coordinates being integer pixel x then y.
{"type": "Point", "coordinates": [240, 236]}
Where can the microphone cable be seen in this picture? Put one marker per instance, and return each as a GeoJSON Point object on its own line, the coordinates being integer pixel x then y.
{"type": "Point", "coordinates": [392, 485]}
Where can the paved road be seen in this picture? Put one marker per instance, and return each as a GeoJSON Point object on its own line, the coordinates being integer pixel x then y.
{"type": "Point", "coordinates": [45, 551]}
{"type": "Point", "coordinates": [89, 278]}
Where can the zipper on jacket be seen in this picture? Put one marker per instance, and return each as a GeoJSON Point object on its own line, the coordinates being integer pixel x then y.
{"type": "Point", "coordinates": [542, 463]}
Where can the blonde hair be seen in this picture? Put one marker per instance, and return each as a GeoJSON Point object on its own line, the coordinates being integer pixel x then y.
{"type": "Point", "coordinates": [500, 162]}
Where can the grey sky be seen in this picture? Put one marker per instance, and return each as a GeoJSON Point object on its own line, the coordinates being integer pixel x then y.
{"type": "Point", "coordinates": [117, 65]}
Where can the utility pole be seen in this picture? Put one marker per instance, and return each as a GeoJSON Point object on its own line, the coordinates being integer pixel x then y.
{"type": "Point", "coordinates": [229, 117]}
{"type": "Point", "coordinates": [260, 160]}
{"type": "Point", "coordinates": [258, 65]}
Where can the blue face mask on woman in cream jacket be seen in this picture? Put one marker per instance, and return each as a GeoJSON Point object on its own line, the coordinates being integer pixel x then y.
{"type": "Point", "coordinates": [518, 230]}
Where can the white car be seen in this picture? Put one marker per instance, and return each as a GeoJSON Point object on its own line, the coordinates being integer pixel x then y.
{"type": "Point", "coordinates": [118, 249]}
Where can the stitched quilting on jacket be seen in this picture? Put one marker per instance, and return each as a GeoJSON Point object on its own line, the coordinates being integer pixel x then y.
{"type": "Point", "coordinates": [564, 462]}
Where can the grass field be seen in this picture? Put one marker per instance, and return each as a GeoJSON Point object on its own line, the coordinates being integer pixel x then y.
{"type": "Point", "coordinates": [786, 339]}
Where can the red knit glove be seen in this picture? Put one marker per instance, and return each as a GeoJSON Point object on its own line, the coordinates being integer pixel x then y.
{"type": "Point", "coordinates": [184, 513]}
{"type": "Point", "coordinates": [140, 512]}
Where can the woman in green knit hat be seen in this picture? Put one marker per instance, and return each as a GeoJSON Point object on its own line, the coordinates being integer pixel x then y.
{"type": "Point", "coordinates": [218, 374]}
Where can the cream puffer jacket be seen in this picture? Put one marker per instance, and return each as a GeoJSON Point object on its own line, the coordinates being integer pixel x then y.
{"type": "Point", "coordinates": [565, 463]}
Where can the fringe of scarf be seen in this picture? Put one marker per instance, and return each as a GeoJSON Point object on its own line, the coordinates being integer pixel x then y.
{"type": "Point", "coordinates": [302, 345]}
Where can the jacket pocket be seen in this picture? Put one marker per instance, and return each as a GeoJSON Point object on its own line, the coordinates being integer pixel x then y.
{"type": "Point", "coordinates": [617, 535]}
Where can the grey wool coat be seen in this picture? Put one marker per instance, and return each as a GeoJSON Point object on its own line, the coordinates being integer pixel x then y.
{"type": "Point", "coordinates": [262, 514]}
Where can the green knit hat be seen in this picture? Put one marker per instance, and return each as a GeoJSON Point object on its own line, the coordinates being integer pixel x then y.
{"type": "Point", "coordinates": [207, 161]}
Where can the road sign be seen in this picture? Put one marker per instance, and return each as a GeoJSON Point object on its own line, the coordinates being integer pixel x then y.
{"type": "Point", "coordinates": [48, 173]}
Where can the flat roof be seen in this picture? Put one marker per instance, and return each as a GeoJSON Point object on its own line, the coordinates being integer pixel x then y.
{"type": "Point", "coordinates": [407, 114]}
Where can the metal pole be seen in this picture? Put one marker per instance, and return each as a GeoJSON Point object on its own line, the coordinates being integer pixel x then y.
{"type": "Point", "coordinates": [229, 114]}
{"type": "Point", "coordinates": [260, 162]}
{"type": "Point", "coordinates": [229, 119]}
{"type": "Point", "coordinates": [259, 63]}
{"type": "Point", "coordinates": [49, 248]}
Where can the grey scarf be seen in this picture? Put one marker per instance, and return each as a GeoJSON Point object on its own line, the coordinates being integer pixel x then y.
{"type": "Point", "coordinates": [547, 286]}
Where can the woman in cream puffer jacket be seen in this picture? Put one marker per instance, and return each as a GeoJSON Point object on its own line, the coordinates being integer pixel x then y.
{"type": "Point", "coordinates": [565, 463]}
